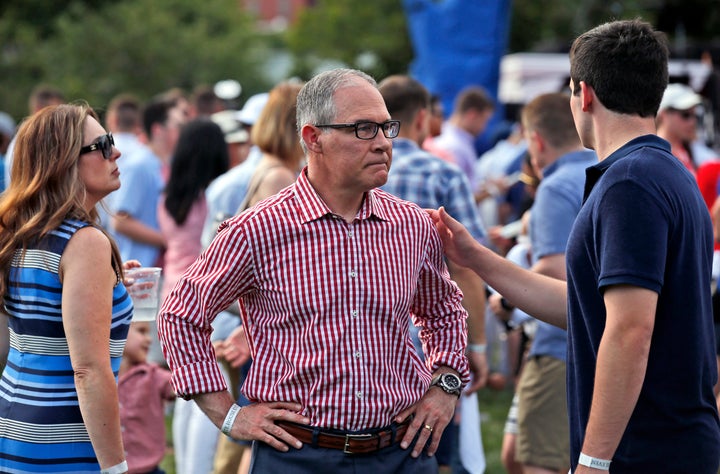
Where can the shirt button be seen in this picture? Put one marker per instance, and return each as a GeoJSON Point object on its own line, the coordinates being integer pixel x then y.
{"type": "Point", "coordinates": [354, 313]}
{"type": "Point", "coordinates": [359, 394]}
{"type": "Point", "coordinates": [358, 354]}
{"type": "Point", "coordinates": [353, 274]}
{"type": "Point", "coordinates": [350, 233]}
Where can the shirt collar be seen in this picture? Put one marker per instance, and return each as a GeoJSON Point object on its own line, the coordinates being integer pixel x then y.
{"type": "Point", "coordinates": [595, 172]}
{"type": "Point", "coordinates": [404, 144]}
{"type": "Point", "coordinates": [572, 157]}
{"type": "Point", "coordinates": [312, 207]}
{"type": "Point", "coordinates": [461, 133]}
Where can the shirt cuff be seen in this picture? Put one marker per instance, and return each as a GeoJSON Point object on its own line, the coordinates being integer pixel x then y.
{"type": "Point", "coordinates": [459, 363]}
{"type": "Point", "coordinates": [197, 378]}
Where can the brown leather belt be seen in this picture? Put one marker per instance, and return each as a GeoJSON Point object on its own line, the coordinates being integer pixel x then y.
{"type": "Point", "coordinates": [348, 443]}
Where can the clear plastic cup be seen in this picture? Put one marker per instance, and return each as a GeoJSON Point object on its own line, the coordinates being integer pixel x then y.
{"type": "Point", "coordinates": [143, 284]}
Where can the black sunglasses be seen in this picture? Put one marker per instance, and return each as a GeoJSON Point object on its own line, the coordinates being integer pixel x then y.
{"type": "Point", "coordinates": [104, 144]}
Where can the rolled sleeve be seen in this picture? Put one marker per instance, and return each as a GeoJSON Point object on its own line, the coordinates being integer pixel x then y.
{"type": "Point", "coordinates": [439, 314]}
{"type": "Point", "coordinates": [217, 278]}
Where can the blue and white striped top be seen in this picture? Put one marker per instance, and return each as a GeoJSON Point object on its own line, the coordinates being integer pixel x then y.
{"type": "Point", "coordinates": [41, 427]}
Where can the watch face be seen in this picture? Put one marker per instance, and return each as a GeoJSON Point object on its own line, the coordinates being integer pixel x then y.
{"type": "Point", "coordinates": [451, 381]}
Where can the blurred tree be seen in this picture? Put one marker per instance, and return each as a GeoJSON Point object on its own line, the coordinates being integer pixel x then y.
{"type": "Point", "coordinates": [552, 25]}
{"type": "Point", "coordinates": [93, 49]}
{"type": "Point", "coordinates": [138, 46]}
{"type": "Point", "coordinates": [39, 13]}
{"type": "Point", "coordinates": [370, 35]}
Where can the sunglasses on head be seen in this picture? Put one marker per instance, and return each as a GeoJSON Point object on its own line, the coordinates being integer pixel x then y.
{"type": "Point", "coordinates": [104, 144]}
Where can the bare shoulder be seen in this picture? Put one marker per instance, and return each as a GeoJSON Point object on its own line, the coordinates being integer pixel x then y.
{"type": "Point", "coordinates": [88, 248]}
{"type": "Point", "coordinates": [89, 239]}
{"type": "Point", "coordinates": [280, 176]}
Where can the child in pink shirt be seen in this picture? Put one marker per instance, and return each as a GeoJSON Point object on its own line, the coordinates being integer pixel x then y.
{"type": "Point", "coordinates": [143, 389]}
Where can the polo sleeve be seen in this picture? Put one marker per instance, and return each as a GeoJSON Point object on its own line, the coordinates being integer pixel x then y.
{"type": "Point", "coordinates": [632, 229]}
{"type": "Point", "coordinates": [552, 217]}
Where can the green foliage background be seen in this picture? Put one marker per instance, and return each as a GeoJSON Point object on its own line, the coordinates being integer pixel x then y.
{"type": "Point", "coordinates": [95, 49]}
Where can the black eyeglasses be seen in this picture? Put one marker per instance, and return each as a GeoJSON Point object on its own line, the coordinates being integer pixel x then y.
{"type": "Point", "coordinates": [368, 130]}
{"type": "Point", "coordinates": [104, 144]}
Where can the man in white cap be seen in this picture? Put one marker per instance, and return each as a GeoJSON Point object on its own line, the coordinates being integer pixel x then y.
{"type": "Point", "coordinates": [677, 123]}
{"type": "Point", "coordinates": [226, 192]}
{"type": "Point", "coordinates": [250, 112]}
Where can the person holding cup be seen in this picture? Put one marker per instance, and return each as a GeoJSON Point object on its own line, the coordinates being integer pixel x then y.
{"type": "Point", "coordinates": [62, 287]}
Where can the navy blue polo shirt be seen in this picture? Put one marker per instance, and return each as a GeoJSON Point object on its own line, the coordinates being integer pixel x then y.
{"type": "Point", "coordinates": [644, 223]}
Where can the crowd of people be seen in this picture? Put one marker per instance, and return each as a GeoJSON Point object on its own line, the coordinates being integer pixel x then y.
{"type": "Point", "coordinates": [342, 273]}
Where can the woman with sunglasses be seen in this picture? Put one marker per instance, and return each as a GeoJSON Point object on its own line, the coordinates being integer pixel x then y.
{"type": "Point", "coordinates": [69, 312]}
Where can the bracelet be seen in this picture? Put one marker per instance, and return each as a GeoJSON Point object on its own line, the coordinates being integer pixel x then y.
{"type": "Point", "coordinates": [595, 463]}
{"type": "Point", "coordinates": [477, 348]}
{"type": "Point", "coordinates": [230, 418]}
{"type": "Point", "coordinates": [116, 469]}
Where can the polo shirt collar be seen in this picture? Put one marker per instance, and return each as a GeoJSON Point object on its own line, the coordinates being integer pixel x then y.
{"type": "Point", "coordinates": [572, 157]}
{"type": "Point", "coordinates": [595, 172]}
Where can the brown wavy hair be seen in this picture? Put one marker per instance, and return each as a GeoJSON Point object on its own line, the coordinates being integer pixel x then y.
{"type": "Point", "coordinates": [274, 132]}
{"type": "Point", "coordinates": [44, 185]}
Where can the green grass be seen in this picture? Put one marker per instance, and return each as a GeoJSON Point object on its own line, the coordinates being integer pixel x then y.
{"type": "Point", "coordinates": [168, 463]}
{"type": "Point", "coordinates": [493, 404]}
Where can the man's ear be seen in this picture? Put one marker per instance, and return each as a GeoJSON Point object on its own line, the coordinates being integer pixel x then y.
{"type": "Point", "coordinates": [537, 138]}
{"type": "Point", "coordinates": [587, 95]}
{"type": "Point", "coordinates": [311, 136]}
{"type": "Point", "coordinates": [422, 121]}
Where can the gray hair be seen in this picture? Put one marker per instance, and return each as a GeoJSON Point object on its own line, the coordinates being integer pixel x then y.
{"type": "Point", "coordinates": [315, 102]}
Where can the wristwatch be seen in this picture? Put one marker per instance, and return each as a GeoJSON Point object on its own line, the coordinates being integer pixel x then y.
{"type": "Point", "coordinates": [449, 382]}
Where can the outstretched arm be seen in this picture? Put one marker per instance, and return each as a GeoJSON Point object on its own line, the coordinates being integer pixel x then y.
{"type": "Point", "coordinates": [540, 296]}
{"type": "Point", "coordinates": [621, 366]}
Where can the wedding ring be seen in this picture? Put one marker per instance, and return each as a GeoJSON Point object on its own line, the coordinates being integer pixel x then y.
{"type": "Point", "coordinates": [428, 427]}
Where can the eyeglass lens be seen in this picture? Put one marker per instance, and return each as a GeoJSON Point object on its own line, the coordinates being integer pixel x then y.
{"type": "Point", "coordinates": [368, 130]}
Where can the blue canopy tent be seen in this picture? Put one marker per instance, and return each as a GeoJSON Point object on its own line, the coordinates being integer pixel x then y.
{"type": "Point", "coordinates": [458, 43]}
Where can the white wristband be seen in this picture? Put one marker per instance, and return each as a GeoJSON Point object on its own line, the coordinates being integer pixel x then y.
{"type": "Point", "coordinates": [477, 348]}
{"type": "Point", "coordinates": [230, 419]}
{"type": "Point", "coordinates": [116, 469]}
{"type": "Point", "coordinates": [595, 463]}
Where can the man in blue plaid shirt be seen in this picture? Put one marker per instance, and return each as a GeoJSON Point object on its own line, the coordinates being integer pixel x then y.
{"type": "Point", "coordinates": [430, 182]}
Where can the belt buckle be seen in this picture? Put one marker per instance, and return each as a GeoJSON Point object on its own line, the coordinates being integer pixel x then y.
{"type": "Point", "coordinates": [349, 437]}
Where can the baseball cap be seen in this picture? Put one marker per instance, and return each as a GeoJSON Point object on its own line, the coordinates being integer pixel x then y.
{"type": "Point", "coordinates": [232, 129]}
{"type": "Point", "coordinates": [252, 108]}
{"type": "Point", "coordinates": [679, 97]}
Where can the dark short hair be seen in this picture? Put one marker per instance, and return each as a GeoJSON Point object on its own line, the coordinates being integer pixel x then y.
{"type": "Point", "coordinates": [128, 109]}
{"type": "Point", "coordinates": [43, 95]}
{"type": "Point", "coordinates": [473, 98]}
{"type": "Point", "coordinates": [625, 62]}
{"type": "Point", "coordinates": [156, 111]}
{"type": "Point", "coordinates": [404, 97]}
{"type": "Point", "coordinates": [551, 117]}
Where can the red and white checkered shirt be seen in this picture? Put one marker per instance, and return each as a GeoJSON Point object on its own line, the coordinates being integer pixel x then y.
{"type": "Point", "coordinates": [326, 306]}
